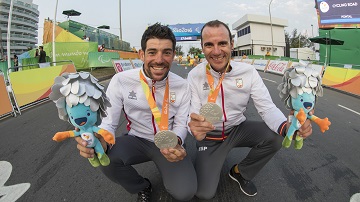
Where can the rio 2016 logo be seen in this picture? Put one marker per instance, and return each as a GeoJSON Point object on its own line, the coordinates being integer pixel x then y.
{"type": "Point", "coordinates": [324, 7]}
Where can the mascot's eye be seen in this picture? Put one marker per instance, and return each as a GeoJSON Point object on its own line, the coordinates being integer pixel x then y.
{"type": "Point", "coordinates": [72, 117]}
{"type": "Point", "coordinates": [88, 114]}
{"type": "Point", "coordinates": [302, 100]}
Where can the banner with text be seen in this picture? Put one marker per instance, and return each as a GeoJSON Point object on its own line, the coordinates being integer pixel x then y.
{"type": "Point", "coordinates": [137, 63]}
{"type": "Point", "coordinates": [248, 61]}
{"type": "Point", "coordinates": [260, 64]}
{"type": "Point", "coordinates": [35, 84]}
{"type": "Point", "coordinates": [181, 30]}
{"type": "Point", "coordinates": [74, 51]}
{"type": "Point", "coordinates": [277, 66]}
{"type": "Point", "coordinates": [5, 107]}
{"type": "Point", "coordinates": [122, 65]}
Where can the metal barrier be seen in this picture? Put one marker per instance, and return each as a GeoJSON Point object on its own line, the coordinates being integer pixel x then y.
{"type": "Point", "coordinates": [30, 98]}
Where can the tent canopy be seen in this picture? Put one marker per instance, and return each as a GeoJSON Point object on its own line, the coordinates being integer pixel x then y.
{"type": "Point", "coordinates": [71, 12]}
{"type": "Point", "coordinates": [326, 40]}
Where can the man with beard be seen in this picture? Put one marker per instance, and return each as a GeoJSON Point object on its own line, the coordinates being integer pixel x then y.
{"type": "Point", "coordinates": [153, 99]}
{"type": "Point", "coordinates": [220, 91]}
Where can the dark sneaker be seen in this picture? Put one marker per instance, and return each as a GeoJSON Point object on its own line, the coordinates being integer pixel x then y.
{"type": "Point", "coordinates": [246, 186]}
{"type": "Point", "coordinates": [144, 195]}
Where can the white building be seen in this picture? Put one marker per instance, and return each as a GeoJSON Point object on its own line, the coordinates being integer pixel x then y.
{"type": "Point", "coordinates": [24, 26]}
{"type": "Point", "coordinates": [302, 53]}
{"type": "Point", "coordinates": [254, 35]}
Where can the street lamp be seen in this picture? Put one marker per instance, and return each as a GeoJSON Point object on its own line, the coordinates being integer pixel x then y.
{"type": "Point", "coordinates": [271, 27]}
{"type": "Point", "coordinates": [312, 30]}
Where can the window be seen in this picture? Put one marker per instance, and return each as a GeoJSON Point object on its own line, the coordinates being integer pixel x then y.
{"type": "Point", "coordinates": [243, 31]}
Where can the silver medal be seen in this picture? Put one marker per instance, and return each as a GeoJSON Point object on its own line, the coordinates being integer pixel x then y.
{"type": "Point", "coordinates": [165, 139]}
{"type": "Point", "coordinates": [212, 112]}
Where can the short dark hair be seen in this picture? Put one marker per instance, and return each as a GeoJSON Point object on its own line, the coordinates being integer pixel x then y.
{"type": "Point", "coordinates": [215, 23]}
{"type": "Point", "coordinates": [157, 31]}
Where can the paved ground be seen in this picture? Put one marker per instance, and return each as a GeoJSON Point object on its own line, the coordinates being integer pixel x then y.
{"type": "Point", "coordinates": [326, 169]}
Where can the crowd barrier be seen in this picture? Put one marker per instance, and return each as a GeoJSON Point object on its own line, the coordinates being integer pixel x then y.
{"type": "Point", "coordinates": [343, 79]}
{"type": "Point", "coordinates": [34, 85]}
{"type": "Point", "coordinates": [6, 107]}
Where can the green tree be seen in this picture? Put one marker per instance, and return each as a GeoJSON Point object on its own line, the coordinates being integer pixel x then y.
{"type": "Point", "coordinates": [297, 40]}
{"type": "Point", "coordinates": [194, 51]}
{"type": "Point", "coordinates": [178, 49]}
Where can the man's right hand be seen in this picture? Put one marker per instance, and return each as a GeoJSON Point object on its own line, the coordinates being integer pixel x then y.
{"type": "Point", "coordinates": [199, 126]}
{"type": "Point", "coordinates": [88, 152]}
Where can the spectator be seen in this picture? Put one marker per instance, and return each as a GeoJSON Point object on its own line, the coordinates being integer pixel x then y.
{"type": "Point", "coordinates": [42, 55]}
{"type": "Point", "coordinates": [16, 63]}
{"type": "Point", "coordinates": [101, 48]}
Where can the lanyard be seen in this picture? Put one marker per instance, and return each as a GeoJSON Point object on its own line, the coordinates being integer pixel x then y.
{"type": "Point", "coordinates": [161, 119]}
{"type": "Point", "coordinates": [214, 92]}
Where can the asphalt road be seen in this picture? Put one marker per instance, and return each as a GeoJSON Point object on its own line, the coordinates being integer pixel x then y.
{"type": "Point", "coordinates": [327, 168]}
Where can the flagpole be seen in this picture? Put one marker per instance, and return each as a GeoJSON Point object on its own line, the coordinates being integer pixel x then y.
{"type": "Point", "coordinates": [8, 34]}
{"type": "Point", "coordinates": [53, 35]}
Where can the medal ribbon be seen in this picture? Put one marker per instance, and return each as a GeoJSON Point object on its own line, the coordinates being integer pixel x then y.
{"type": "Point", "coordinates": [214, 91]}
{"type": "Point", "coordinates": [161, 119]}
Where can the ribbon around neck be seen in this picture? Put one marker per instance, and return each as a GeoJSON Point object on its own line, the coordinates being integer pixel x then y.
{"type": "Point", "coordinates": [162, 119]}
{"type": "Point", "coordinates": [214, 91]}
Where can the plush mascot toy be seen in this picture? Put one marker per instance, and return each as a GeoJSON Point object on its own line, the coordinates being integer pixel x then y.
{"type": "Point", "coordinates": [299, 89]}
{"type": "Point", "coordinates": [80, 99]}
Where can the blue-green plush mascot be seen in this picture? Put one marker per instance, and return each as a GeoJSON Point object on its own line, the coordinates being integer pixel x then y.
{"type": "Point", "coordinates": [299, 89]}
{"type": "Point", "coordinates": [81, 100]}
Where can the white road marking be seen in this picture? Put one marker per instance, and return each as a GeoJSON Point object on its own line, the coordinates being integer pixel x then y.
{"type": "Point", "coordinates": [355, 198]}
{"type": "Point", "coordinates": [13, 192]}
{"type": "Point", "coordinates": [269, 80]}
{"type": "Point", "coordinates": [349, 109]}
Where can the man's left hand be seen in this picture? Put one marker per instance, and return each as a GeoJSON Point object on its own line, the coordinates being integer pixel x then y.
{"type": "Point", "coordinates": [305, 130]}
{"type": "Point", "coordinates": [175, 154]}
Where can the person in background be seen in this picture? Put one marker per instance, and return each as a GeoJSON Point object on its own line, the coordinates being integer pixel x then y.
{"type": "Point", "coordinates": [144, 94]}
{"type": "Point", "coordinates": [16, 63]}
{"type": "Point", "coordinates": [42, 55]}
{"type": "Point", "coordinates": [37, 53]}
{"type": "Point", "coordinates": [101, 48]}
{"type": "Point", "coordinates": [230, 85]}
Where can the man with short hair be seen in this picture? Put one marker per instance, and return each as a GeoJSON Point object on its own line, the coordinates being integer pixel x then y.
{"type": "Point", "coordinates": [220, 90]}
{"type": "Point", "coordinates": [153, 100]}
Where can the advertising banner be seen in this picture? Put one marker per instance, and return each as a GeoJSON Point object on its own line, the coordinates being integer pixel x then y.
{"type": "Point", "coordinates": [5, 106]}
{"type": "Point", "coordinates": [181, 30]}
{"type": "Point", "coordinates": [74, 51]}
{"type": "Point", "coordinates": [122, 65]}
{"type": "Point", "coordinates": [260, 64]}
{"type": "Point", "coordinates": [4, 67]}
{"type": "Point", "coordinates": [277, 66]}
{"type": "Point", "coordinates": [102, 59]}
{"type": "Point", "coordinates": [248, 61]}
{"type": "Point", "coordinates": [35, 84]}
{"type": "Point", "coordinates": [137, 63]}
{"type": "Point", "coordinates": [334, 13]}
{"type": "Point", "coordinates": [186, 38]}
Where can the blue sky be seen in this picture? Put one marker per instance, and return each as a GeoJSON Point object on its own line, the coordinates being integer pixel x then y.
{"type": "Point", "coordinates": [137, 14]}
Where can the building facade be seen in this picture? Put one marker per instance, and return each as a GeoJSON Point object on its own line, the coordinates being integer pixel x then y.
{"type": "Point", "coordinates": [253, 35]}
{"type": "Point", "coordinates": [24, 26]}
